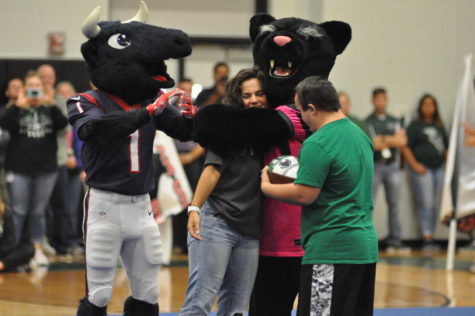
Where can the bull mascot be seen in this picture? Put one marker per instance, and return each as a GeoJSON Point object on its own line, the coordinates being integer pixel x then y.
{"type": "Point", "coordinates": [117, 123]}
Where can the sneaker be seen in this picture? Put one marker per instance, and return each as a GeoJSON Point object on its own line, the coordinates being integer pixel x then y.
{"type": "Point", "coordinates": [430, 246]}
{"type": "Point", "coordinates": [397, 247]}
{"type": "Point", "coordinates": [47, 248]}
{"type": "Point", "coordinates": [40, 258]}
{"type": "Point", "coordinates": [468, 248]}
{"type": "Point", "coordinates": [76, 250]}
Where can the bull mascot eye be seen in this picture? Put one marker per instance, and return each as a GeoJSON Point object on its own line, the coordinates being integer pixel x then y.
{"type": "Point", "coordinates": [119, 41]}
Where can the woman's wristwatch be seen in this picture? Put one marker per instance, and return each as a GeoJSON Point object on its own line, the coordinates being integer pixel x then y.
{"type": "Point", "coordinates": [194, 208]}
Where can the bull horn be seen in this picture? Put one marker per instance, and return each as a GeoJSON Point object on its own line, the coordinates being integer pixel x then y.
{"type": "Point", "coordinates": [142, 14]}
{"type": "Point", "coordinates": [90, 28]}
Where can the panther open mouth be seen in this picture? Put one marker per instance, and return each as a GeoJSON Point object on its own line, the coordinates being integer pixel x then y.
{"type": "Point", "coordinates": [281, 68]}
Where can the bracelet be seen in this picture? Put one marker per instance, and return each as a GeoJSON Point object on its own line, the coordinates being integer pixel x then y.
{"type": "Point", "coordinates": [194, 208]}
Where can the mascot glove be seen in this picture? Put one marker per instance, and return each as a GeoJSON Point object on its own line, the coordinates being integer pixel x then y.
{"type": "Point", "coordinates": [163, 101]}
{"type": "Point", "coordinates": [187, 108]}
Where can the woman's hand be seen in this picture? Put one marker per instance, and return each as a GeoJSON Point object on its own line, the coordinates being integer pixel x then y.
{"type": "Point", "coordinates": [194, 224]}
{"type": "Point", "coordinates": [419, 168]}
{"type": "Point", "coordinates": [22, 100]}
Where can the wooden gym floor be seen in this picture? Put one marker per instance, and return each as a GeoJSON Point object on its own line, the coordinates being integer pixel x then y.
{"type": "Point", "coordinates": [414, 280]}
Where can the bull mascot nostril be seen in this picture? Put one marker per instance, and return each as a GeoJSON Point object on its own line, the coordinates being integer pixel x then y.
{"type": "Point", "coordinates": [117, 123]}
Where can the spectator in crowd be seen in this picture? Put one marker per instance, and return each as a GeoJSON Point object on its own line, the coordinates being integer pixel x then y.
{"type": "Point", "coordinates": [65, 89]}
{"type": "Point", "coordinates": [48, 77]}
{"type": "Point", "coordinates": [33, 125]}
{"type": "Point", "coordinates": [216, 93]}
{"type": "Point", "coordinates": [223, 226]}
{"type": "Point", "coordinates": [425, 153]}
{"type": "Point", "coordinates": [469, 135]}
{"type": "Point", "coordinates": [12, 254]}
{"type": "Point", "coordinates": [4, 138]}
{"type": "Point", "coordinates": [191, 157]}
{"type": "Point", "coordinates": [13, 90]}
{"type": "Point", "coordinates": [14, 87]}
{"type": "Point", "coordinates": [345, 104]}
{"type": "Point", "coordinates": [70, 233]}
{"type": "Point", "coordinates": [388, 137]}
{"type": "Point", "coordinates": [58, 215]}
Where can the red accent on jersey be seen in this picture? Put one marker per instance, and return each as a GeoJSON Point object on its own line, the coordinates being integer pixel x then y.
{"type": "Point", "coordinates": [124, 105]}
{"type": "Point", "coordinates": [91, 99]}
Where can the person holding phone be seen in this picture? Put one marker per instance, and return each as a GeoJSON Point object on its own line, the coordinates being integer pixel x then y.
{"type": "Point", "coordinates": [216, 93]}
{"type": "Point", "coordinates": [31, 164]}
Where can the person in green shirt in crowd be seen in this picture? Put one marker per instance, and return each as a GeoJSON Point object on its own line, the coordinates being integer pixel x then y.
{"type": "Point", "coordinates": [345, 104]}
{"type": "Point", "coordinates": [425, 153]}
{"type": "Point", "coordinates": [334, 187]}
{"type": "Point", "coordinates": [388, 137]}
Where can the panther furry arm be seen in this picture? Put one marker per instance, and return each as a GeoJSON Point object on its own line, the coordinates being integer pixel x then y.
{"type": "Point", "coordinates": [226, 129]}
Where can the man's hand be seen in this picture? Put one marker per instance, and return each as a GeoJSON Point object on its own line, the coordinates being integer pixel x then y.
{"type": "Point", "coordinates": [163, 101]}
{"type": "Point", "coordinates": [265, 175]}
{"type": "Point", "coordinates": [194, 225]}
{"type": "Point", "coordinates": [71, 162]}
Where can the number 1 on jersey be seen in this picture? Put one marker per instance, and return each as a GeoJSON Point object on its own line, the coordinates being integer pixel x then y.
{"type": "Point", "coordinates": [134, 152]}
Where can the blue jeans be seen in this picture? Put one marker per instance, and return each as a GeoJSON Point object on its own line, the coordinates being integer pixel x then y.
{"type": "Point", "coordinates": [389, 175]}
{"type": "Point", "coordinates": [224, 261]}
{"type": "Point", "coordinates": [62, 213]}
{"type": "Point", "coordinates": [427, 192]}
{"type": "Point", "coordinates": [29, 196]}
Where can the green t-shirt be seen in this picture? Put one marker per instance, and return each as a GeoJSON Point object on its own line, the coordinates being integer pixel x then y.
{"type": "Point", "coordinates": [338, 227]}
{"type": "Point", "coordinates": [383, 125]}
{"type": "Point", "coordinates": [428, 143]}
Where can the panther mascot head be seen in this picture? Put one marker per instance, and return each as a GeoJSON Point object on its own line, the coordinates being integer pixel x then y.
{"type": "Point", "coordinates": [291, 49]}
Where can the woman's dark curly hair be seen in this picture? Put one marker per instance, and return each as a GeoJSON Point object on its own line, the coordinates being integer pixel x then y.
{"type": "Point", "coordinates": [436, 117]}
{"type": "Point", "coordinates": [233, 89]}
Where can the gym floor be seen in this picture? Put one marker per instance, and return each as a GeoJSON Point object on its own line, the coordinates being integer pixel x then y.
{"type": "Point", "coordinates": [415, 280]}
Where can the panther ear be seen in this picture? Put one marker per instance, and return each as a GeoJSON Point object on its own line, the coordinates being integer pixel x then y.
{"type": "Point", "coordinates": [339, 32]}
{"type": "Point", "coordinates": [256, 22]}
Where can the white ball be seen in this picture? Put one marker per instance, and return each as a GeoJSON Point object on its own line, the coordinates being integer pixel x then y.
{"type": "Point", "coordinates": [285, 166]}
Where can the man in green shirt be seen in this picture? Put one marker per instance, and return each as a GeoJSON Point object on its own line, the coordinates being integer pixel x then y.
{"type": "Point", "coordinates": [334, 185]}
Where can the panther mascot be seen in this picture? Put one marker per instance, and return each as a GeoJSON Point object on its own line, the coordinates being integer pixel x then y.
{"type": "Point", "coordinates": [117, 123]}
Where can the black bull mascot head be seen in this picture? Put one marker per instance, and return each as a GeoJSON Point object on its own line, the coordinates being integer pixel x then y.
{"type": "Point", "coordinates": [127, 59]}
